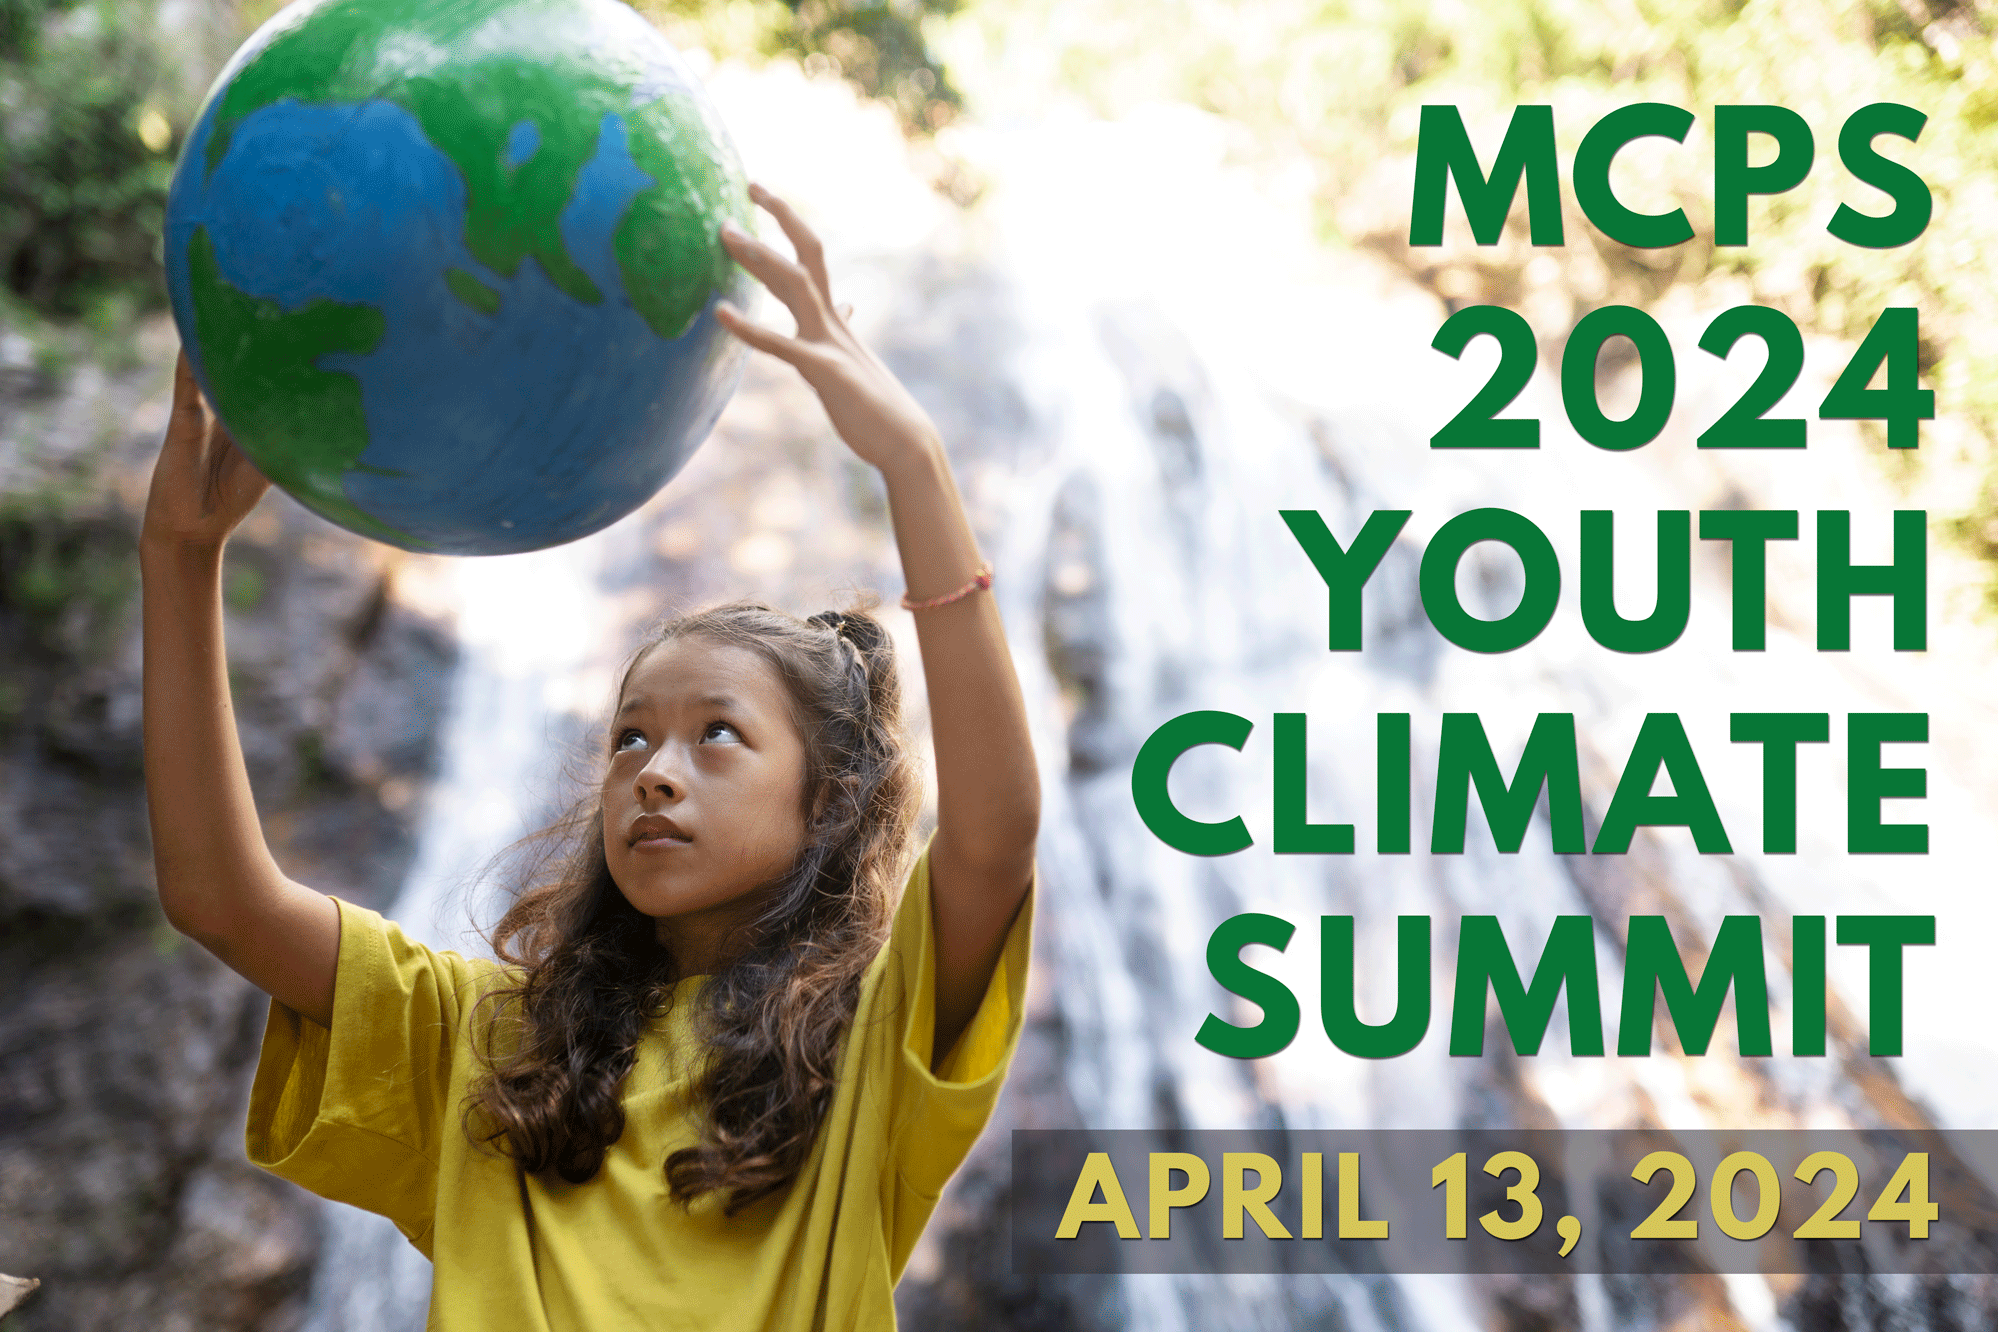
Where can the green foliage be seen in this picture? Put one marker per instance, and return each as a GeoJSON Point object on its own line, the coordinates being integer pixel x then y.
{"type": "Point", "coordinates": [315, 772]}
{"type": "Point", "coordinates": [881, 46]}
{"type": "Point", "coordinates": [882, 50]}
{"type": "Point", "coordinates": [244, 588]}
{"type": "Point", "coordinates": [82, 190]}
{"type": "Point", "coordinates": [66, 580]}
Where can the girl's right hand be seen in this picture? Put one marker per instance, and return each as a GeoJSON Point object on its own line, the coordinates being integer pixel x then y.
{"type": "Point", "coordinates": [868, 406]}
{"type": "Point", "coordinates": [203, 486]}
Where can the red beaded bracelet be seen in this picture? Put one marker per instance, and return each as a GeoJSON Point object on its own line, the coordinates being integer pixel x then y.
{"type": "Point", "coordinates": [980, 582]}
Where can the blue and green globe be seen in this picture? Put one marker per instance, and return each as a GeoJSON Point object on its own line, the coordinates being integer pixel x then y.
{"type": "Point", "coordinates": [447, 268]}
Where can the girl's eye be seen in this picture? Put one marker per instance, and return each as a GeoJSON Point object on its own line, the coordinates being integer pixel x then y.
{"type": "Point", "coordinates": [628, 740]}
{"type": "Point", "coordinates": [721, 733]}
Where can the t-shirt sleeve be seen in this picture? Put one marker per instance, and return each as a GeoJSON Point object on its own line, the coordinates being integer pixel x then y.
{"type": "Point", "coordinates": [941, 1112]}
{"type": "Point", "coordinates": [357, 1113]}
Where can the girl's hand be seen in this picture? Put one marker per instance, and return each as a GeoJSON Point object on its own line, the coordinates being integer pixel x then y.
{"type": "Point", "coordinates": [203, 486]}
{"type": "Point", "coordinates": [869, 407]}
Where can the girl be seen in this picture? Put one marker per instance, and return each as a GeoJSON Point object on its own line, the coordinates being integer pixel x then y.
{"type": "Point", "coordinates": [711, 1084]}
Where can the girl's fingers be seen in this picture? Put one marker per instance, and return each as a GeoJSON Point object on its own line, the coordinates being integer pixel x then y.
{"type": "Point", "coordinates": [215, 495]}
{"type": "Point", "coordinates": [811, 252]}
{"type": "Point", "coordinates": [239, 461]}
{"type": "Point", "coordinates": [786, 278]}
{"type": "Point", "coordinates": [190, 409]}
{"type": "Point", "coordinates": [756, 335]}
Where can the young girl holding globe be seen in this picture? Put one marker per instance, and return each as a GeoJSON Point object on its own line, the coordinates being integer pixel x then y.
{"type": "Point", "coordinates": [719, 1077]}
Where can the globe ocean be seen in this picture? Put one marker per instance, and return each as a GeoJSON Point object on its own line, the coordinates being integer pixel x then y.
{"type": "Point", "coordinates": [447, 270]}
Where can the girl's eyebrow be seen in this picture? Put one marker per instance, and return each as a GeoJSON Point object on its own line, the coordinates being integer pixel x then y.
{"type": "Point", "coordinates": [725, 702]}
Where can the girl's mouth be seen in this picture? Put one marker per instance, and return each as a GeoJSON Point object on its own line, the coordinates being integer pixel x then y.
{"type": "Point", "coordinates": [656, 833]}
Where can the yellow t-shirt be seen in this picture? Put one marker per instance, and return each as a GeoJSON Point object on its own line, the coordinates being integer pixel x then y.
{"type": "Point", "coordinates": [368, 1113]}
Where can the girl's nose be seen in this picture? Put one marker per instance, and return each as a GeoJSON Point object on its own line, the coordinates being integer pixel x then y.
{"type": "Point", "coordinates": [661, 776]}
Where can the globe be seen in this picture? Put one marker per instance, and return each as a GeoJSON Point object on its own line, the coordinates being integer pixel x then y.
{"type": "Point", "coordinates": [447, 269]}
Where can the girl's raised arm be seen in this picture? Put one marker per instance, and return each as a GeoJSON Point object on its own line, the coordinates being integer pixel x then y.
{"type": "Point", "coordinates": [988, 789]}
{"type": "Point", "coordinates": [218, 883]}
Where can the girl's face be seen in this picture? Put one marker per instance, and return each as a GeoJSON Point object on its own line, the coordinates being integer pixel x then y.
{"type": "Point", "coordinates": [703, 799]}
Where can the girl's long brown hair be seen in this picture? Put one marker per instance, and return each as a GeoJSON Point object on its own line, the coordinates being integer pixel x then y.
{"type": "Point", "coordinates": [591, 973]}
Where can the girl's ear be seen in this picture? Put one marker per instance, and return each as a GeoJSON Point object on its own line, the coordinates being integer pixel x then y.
{"type": "Point", "coordinates": [841, 790]}
{"type": "Point", "coordinates": [823, 801]}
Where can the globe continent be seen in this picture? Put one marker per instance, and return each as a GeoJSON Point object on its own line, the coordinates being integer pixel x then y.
{"type": "Point", "coordinates": [447, 270]}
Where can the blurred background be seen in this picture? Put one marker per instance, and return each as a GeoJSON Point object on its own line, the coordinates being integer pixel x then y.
{"type": "Point", "coordinates": [1147, 266]}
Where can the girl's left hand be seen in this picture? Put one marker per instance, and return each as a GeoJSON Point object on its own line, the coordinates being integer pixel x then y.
{"type": "Point", "coordinates": [868, 405]}
{"type": "Point", "coordinates": [203, 486]}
